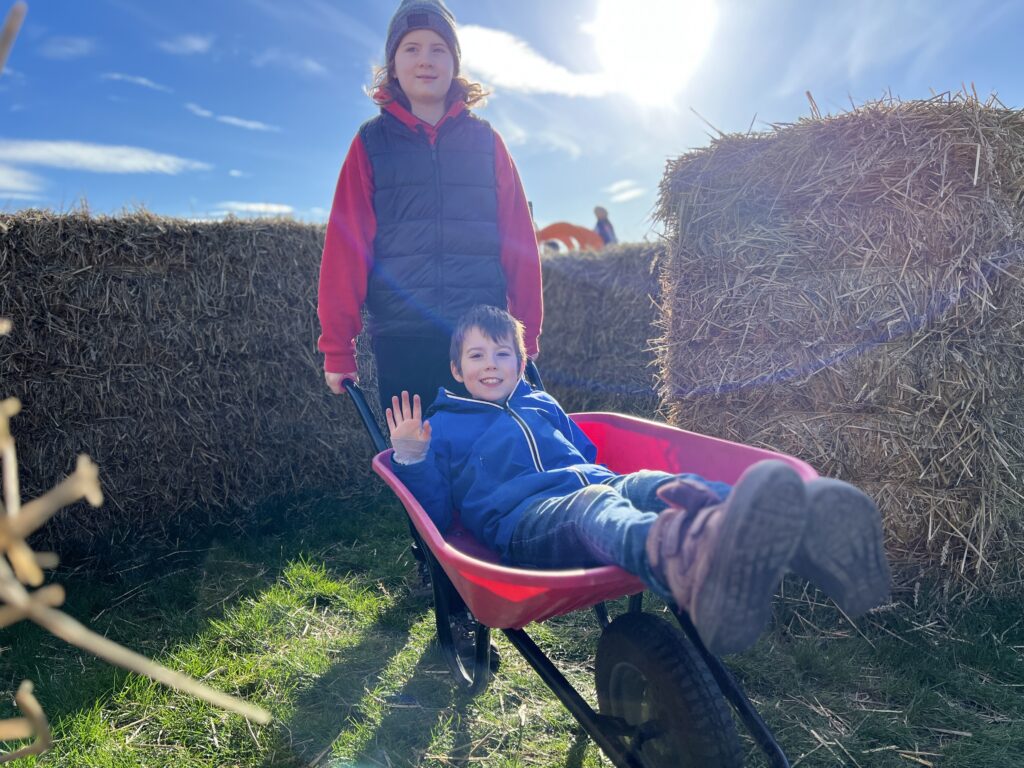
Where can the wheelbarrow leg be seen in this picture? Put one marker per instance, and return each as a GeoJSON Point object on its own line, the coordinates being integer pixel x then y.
{"type": "Point", "coordinates": [593, 723]}
{"type": "Point", "coordinates": [451, 618]}
{"type": "Point", "coordinates": [636, 605]}
{"type": "Point", "coordinates": [734, 693]}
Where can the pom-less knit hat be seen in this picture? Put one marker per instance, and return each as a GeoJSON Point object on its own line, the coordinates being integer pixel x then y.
{"type": "Point", "coordinates": [422, 14]}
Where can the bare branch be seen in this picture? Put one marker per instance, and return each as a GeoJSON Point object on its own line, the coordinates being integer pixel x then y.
{"type": "Point", "coordinates": [34, 723]}
{"type": "Point", "coordinates": [66, 628]}
{"type": "Point", "coordinates": [10, 31]}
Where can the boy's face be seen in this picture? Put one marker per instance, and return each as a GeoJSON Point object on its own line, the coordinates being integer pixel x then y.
{"type": "Point", "coordinates": [424, 67]}
{"type": "Point", "coordinates": [490, 369]}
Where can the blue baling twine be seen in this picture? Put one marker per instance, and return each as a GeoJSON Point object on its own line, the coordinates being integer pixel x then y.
{"type": "Point", "coordinates": [938, 306]}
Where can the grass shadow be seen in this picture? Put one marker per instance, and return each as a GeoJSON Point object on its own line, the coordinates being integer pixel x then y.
{"type": "Point", "coordinates": [166, 596]}
{"type": "Point", "coordinates": [428, 712]}
{"type": "Point", "coordinates": [353, 690]}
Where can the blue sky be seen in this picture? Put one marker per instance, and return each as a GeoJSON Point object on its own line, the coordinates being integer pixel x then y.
{"type": "Point", "coordinates": [199, 109]}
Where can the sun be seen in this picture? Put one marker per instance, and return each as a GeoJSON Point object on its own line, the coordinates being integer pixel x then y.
{"type": "Point", "coordinates": [649, 49]}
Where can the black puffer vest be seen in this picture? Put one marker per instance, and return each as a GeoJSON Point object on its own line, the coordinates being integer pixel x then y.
{"type": "Point", "coordinates": [437, 250]}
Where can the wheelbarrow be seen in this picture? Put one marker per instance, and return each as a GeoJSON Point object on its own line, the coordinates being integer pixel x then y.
{"type": "Point", "coordinates": [663, 699]}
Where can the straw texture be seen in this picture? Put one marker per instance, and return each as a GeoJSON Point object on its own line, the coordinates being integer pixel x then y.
{"type": "Point", "coordinates": [599, 311]}
{"type": "Point", "coordinates": [182, 357]}
{"type": "Point", "coordinates": [849, 289]}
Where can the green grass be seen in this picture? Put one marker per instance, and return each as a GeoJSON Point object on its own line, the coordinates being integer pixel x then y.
{"type": "Point", "coordinates": [310, 616]}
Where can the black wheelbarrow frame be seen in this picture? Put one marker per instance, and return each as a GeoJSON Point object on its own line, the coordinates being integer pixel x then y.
{"type": "Point", "coordinates": [465, 642]}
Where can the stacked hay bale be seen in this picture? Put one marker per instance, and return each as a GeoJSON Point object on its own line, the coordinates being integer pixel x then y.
{"type": "Point", "coordinates": [181, 356]}
{"type": "Point", "coordinates": [849, 289]}
{"type": "Point", "coordinates": [600, 308]}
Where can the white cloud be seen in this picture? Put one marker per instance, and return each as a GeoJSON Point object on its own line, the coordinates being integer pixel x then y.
{"type": "Point", "coordinates": [627, 195]}
{"type": "Point", "coordinates": [195, 109]}
{"type": "Point", "coordinates": [647, 51]}
{"type": "Point", "coordinates": [259, 209]}
{"type": "Point", "coordinates": [234, 173]}
{"type": "Point", "coordinates": [187, 45]}
{"type": "Point", "coordinates": [505, 61]}
{"type": "Point", "coordinates": [145, 82]}
{"type": "Point", "coordinates": [65, 48]}
{"type": "Point", "coordinates": [249, 125]}
{"type": "Point", "coordinates": [98, 158]}
{"type": "Point", "coordinates": [513, 133]}
{"type": "Point", "coordinates": [15, 182]}
{"type": "Point", "coordinates": [847, 40]}
{"type": "Point", "coordinates": [325, 17]}
{"type": "Point", "coordinates": [559, 142]}
{"type": "Point", "coordinates": [620, 186]}
{"type": "Point", "coordinates": [237, 122]}
{"type": "Point", "coordinates": [304, 65]}
{"type": "Point", "coordinates": [624, 190]}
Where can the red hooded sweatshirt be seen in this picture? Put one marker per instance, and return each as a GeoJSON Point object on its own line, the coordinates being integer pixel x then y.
{"type": "Point", "coordinates": [348, 247]}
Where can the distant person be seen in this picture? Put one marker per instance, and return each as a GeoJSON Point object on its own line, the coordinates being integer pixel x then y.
{"type": "Point", "coordinates": [429, 218]}
{"type": "Point", "coordinates": [604, 227]}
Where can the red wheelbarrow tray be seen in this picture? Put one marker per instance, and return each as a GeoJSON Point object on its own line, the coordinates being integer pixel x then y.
{"type": "Point", "coordinates": [502, 597]}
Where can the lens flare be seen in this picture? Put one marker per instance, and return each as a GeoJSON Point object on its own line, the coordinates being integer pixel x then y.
{"type": "Point", "coordinates": [649, 49]}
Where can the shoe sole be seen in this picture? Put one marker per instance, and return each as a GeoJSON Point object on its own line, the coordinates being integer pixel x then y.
{"type": "Point", "coordinates": [843, 551]}
{"type": "Point", "coordinates": [765, 520]}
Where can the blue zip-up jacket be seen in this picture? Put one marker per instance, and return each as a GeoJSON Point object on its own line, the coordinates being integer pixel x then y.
{"type": "Point", "coordinates": [490, 460]}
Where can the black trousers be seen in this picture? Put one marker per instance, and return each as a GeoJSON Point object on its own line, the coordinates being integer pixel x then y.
{"type": "Point", "coordinates": [416, 364]}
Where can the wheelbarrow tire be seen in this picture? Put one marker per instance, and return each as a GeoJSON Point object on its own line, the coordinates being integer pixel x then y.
{"type": "Point", "coordinates": [649, 675]}
{"type": "Point", "coordinates": [464, 642]}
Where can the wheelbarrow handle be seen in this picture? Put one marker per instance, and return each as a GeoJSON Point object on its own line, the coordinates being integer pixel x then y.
{"type": "Point", "coordinates": [533, 375]}
{"type": "Point", "coordinates": [363, 408]}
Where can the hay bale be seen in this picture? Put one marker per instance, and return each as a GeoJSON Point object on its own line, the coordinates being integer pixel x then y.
{"type": "Point", "coordinates": [181, 356]}
{"type": "Point", "coordinates": [599, 311]}
{"type": "Point", "coordinates": [849, 289]}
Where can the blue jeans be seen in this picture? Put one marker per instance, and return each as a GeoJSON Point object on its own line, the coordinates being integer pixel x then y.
{"type": "Point", "coordinates": [603, 524]}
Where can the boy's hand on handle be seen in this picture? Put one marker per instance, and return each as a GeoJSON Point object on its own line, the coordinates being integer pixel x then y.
{"type": "Point", "coordinates": [410, 435]}
{"type": "Point", "coordinates": [334, 380]}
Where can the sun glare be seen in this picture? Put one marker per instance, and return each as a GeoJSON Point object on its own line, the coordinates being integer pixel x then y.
{"type": "Point", "coordinates": [649, 49]}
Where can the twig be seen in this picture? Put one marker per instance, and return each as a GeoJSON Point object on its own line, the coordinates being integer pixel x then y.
{"type": "Point", "coordinates": [10, 31]}
{"type": "Point", "coordinates": [23, 566]}
{"type": "Point", "coordinates": [34, 723]}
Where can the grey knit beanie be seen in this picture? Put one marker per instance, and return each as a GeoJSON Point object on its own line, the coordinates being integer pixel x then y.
{"type": "Point", "coordinates": [422, 14]}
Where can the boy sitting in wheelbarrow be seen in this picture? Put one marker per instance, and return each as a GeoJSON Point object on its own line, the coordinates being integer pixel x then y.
{"type": "Point", "coordinates": [523, 478]}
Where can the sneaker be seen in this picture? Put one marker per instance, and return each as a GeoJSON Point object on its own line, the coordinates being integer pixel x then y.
{"type": "Point", "coordinates": [723, 563]}
{"type": "Point", "coordinates": [842, 549]}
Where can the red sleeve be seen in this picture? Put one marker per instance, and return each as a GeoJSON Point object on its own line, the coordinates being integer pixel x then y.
{"type": "Point", "coordinates": [347, 261]}
{"type": "Point", "coordinates": [520, 257]}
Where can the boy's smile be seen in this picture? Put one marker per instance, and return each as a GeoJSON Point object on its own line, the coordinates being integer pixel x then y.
{"type": "Point", "coordinates": [490, 369]}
